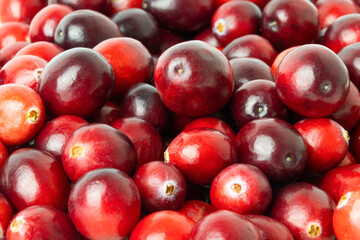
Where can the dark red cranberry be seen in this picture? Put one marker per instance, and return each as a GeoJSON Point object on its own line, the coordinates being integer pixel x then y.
{"type": "Point", "coordinates": [253, 46]}
{"type": "Point", "coordinates": [146, 139]}
{"type": "Point", "coordinates": [143, 101]}
{"type": "Point", "coordinates": [208, 36]}
{"type": "Point", "coordinates": [20, 10]}
{"type": "Point", "coordinates": [165, 225]}
{"type": "Point", "coordinates": [117, 6]}
{"type": "Point", "coordinates": [41, 222]}
{"type": "Point", "coordinates": [84, 28]}
{"type": "Point", "coordinates": [180, 15]}
{"type": "Point", "coordinates": [8, 52]}
{"type": "Point", "coordinates": [54, 134]}
{"type": "Point", "coordinates": [44, 23]}
{"type": "Point", "coordinates": [275, 147]}
{"type": "Point", "coordinates": [97, 145]}
{"type": "Point", "coordinates": [224, 224]}
{"type": "Point", "coordinates": [168, 39]}
{"type": "Point", "coordinates": [194, 79]}
{"type": "Point", "coordinates": [241, 188]}
{"type": "Point", "coordinates": [31, 177]}
{"type": "Point", "coordinates": [312, 81]}
{"type": "Point", "coordinates": [4, 154]}
{"type": "Point", "coordinates": [350, 55]}
{"type": "Point", "coordinates": [104, 204]}
{"type": "Point", "coordinates": [11, 32]}
{"type": "Point", "coordinates": [257, 99]}
{"type": "Point", "coordinates": [96, 5]}
{"type": "Point", "coordinates": [6, 215]}
{"type": "Point", "coordinates": [200, 154]}
{"type": "Point", "coordinates": [41, 49]}
{"type": "Point", "coordinates": [107, 114]}
{"type": "Point", "coordinates": [235, 19]}
{"type": "Point", "coordinates": [290, 23]}
{"type": "Point", "coordinates": [196, 209]}
{"type": "Point", "coordinates": [78, 82]}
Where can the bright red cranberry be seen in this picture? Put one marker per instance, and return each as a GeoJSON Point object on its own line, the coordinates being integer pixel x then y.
{"type": "Point", "coordinates": [180, 15]}
{"type": "Point", "coordinates": [224, 224]}
{"type": "Point", "coordinates": [12, 32]}
{"type": "Point", "coordinates": [327, 143]}
{"type": "Point", "coordinates": [200, 154]}
{"type": "Point", "coordinates": [251, 45]}
{"type": "Point", "coordinates": [163, 225]}
{"type": "Point", "coordinates": [342, 32]}
{"type": "Point", "coordinates": [211, 122]}
{"type": "Point", "coordinates": [275, 147]}
{"type": "Point", "coordinates": [146, 139]}
{"type": "Point", "coordinates": [24, 70]}
{"type": "Point", "coordinates": [346, 216]}
{"type": "Point", "coordinates": [117, 6]}
{"type": "Point", "coordinates": [84, 28]}
{"type": "Point", "coordinates": [31, 177]}
{"type": "Point", "coordinates": [208, 36]}
{"type": "Point", "coordinates": [41, 49]}
{"type": "Point", "coordinates": [20, 10]}
{"type": "Point", "coordinates": [78, 82]}
{"type": "Point", "coordinates": [348, 160]}
{"type": "Point", "coordinates": [104, 204]}
{"type": "Point", "coordinates": [44, 23]}
{"type": "Point", "coordinates": [312, 81]}
{"type": "Point", "coordinates": [86, 147]}
{"type": "Point", "coordinates": [129, 69]}
{"type": "Point", "coordinates": [196, 209]}
{"type": "Point", "coordinates": [96, 5]}
{"type": "Point", "coordinates": [241, 188]}
{"type": "Point", "coordinates": [350, 55]}
{"type": "Point", "coordinates": [41, 222]}
{"type": "Point", "coordinates": [270, 228]}
{"type": "Point", "coordinates": [280, 57]}
{"type": "Point", "coordinates": [235, 19]}
{"type": "Point", "coordinates": [22, 114]}
{"type": "Point", "coordinates": [107, 114]}
{"type": "Point", "coordinates": [9, 52]}
{"type": "Point", "coordinates": [247, 69]}
{"type": "Point", "coordinates": [257, 99]}
{"type": "Point", "coordinates": [194, 79]}
{"type": "Point", "coordinates": [290, 23]}
{"type": "Point", "coordinates": [6, 215]}
{"type": "Point", "coordinates": [305, 210]}
{"type": "Point", "coordinates": [54, 134]}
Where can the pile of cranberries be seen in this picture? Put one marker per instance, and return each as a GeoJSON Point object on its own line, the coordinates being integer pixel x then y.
{"type": "Point", "coordinates": [179, 119]}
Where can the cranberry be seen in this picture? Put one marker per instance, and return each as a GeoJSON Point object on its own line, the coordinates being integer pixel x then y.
{"type": "Point", "coordinates": [20, 10]}
{"type": "Point", "coordinates": [196, 209]}
{"type": "Point", "coordinates": [6, 215]}
{"type": "Point", "coordinates": [96, 5]}
{"type": "Point", "coordinates": [54, 134]}
{"type": "Point", "coordinates": [208, 36]}
{"type": "Point", "coordinates": [350, 55]}
{"type": "Point", "coordinates": [289, 23]}
{"type": "Point", "coordinates": [164, 225]}
{"type": "Point", "coordinates": [146, 139]}
{"type": "Point", "coordinates": [85, 148]}
{"type": "Point", "coordinates": [41, 222]}
{"type": "Point", "coordinates": [31, 177]}
{"type": "Point", "coordinates": [224, 224]}
{"type": "Point", "coordinates": [235, 19]}
{"type": "Point", "coordinates": [312, 81]}
{"type": "Point", "coordinates": [78, 82]}
{"type": "Point", "coordinates": [194, 79]}
{"type": "Point", "coordinates": [107, 114]}
{"type": "Point", "coordinates": [241, 188]}
{"type": "Point", "coordinates": [9, 52]}
{"type": "Point", "coordinates": [280, 57]}
{"type": "Point", "coordinates": [251, 45]}
{"type": "Point", "coordinates": [117, 6]}
{"type": "Point", "coordinates": [22, 114]}
{"type": "Point", "coordinates": [44, 23]}
{"type": "Point", "coordinates": [104, 204]}
{"type": "Point", "coordinates": [12, 32]}
{"type": "Point", "coordinates": [305, 210]}
{"type": "Point", "coordinates": [200, 154]}
{"type": "Point", "coordinates": [41, 49]}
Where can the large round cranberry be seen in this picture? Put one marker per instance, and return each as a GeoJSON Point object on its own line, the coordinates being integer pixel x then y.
{"type": "Point", "coordinates": [20, 10]}
{"type": "Point", "coordinates": [6, 215]}
{"type": "Point", "coordinates": [41, 49]}
{"type": "Point", "coordinates": [31, 177]}
{"type": "Point", "coordinates": [289, 23]}
{"type": "Point", "coordinates": [107, 114]}
{"type": "Point", "coordinates": [78, 82]}
{"type": "Point", "coordinates": [194, 79]}
{"type": "Point", "coordinates": [208, 36]}
{"type": "Point", "coordinates": [96, 5]}
{"type": "Point", "coordinates": [196, 209]}
{"type": "Point", "coordinates": [312, 81]}
{"type": "Point", "coordinates": [11, 32]}
{"type": "Point", "coordinates": [350, 55]}
{"type": "Point", "coordinates": [104, 204]}
{"type": "Point", "coordinates": [117, 6]}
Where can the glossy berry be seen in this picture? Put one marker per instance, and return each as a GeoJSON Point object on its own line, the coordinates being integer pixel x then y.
{"type": "Point", "coordinates": [12, 32]}
{"type": "Point", "coordinates": [20, 10]}
{"type": "Point", "coordinates": [350, 55]}
{"type": "Point", "coordinates": [107, 114]}
{"type": "Point", "coordinates": [117, 6]}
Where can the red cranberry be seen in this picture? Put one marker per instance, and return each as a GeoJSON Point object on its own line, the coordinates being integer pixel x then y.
{"type": "Point", "coordinates": [146, 139]}
{"type": "Point", "coordinates": [289, 23]}
{"type": "Point", "coordinates": [350, 55]}
{"type": "Point", "coordinates": [104, 204]}
{"type": "Point", "coordinates": [9, 52]}
{"type": "Point", "coordinates": [12, 32]}
{"type": "Point", "coordinates": [200, 154]}
{"type": "Point", "coordinates": [41, 49]}
{"type": "Point", "coordinates": [196, 209]}
{"type": "Point", "coordinates": [97, 145]}
{"type": "Point", "coordinates": [30, 177]}
{"type": "Point", "coordinates": [54, 134]}
{"type": "Point", "coordinates": [78, 82]}
{"type": "Point", "coordinates": [235, 19]}
{"type": "Point", "coordinates": [280, 57]}
{"type": "Point", "coordinates": [194, 79]}
{"type": "Point", "coordinates": [208, 36]}
{"type": "Point", "coordinates": [22, 114]}
{"type": "Point", "coordinates": [241, 188]}
{"type": "Point", "coordinates": [117, 6]}
{"type": "Point", "coordinates": [20, 10]}
{"type": "Point", "coordinates": [251, 45]}
{"type": "Point", "coordinates": [96, 5]}
{"type": "Point", "coordinates": [107, 114]}
{"type": "Point", "coordinates": [6, 215]}
{"type": "Point", "coordinates": [312, 81]}
{"type": "Point", "coordinates": [163, 225]}
{"type": "Point", "coordinates": [41, 222]}
{"type": "Point", "coordinates": [348, 160]}
{"type": "Point", "coordinates": [305, 210]}
{"type": "Point", "coordinates": [225, 224]}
